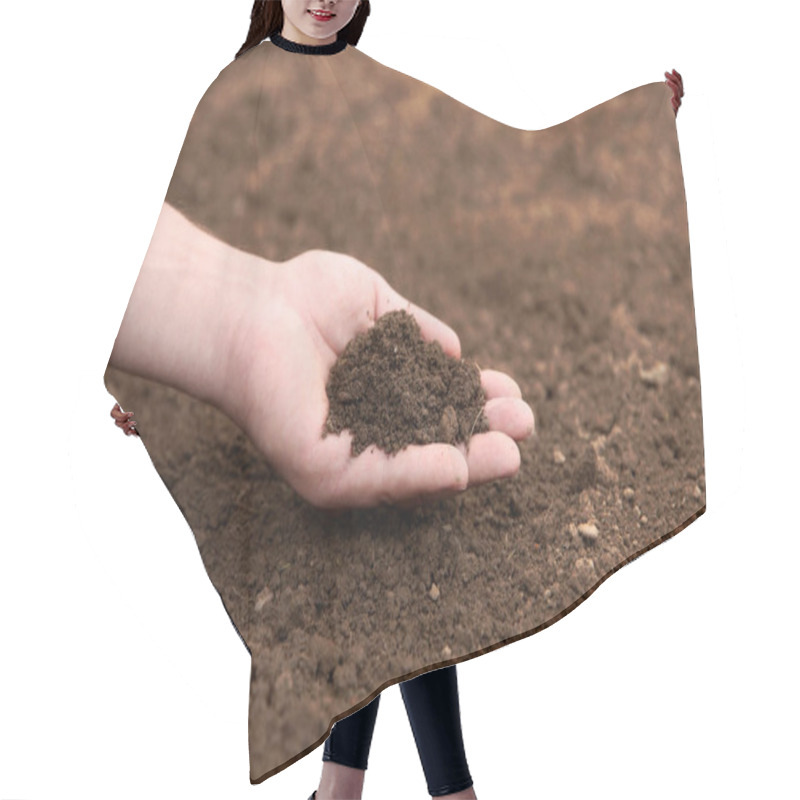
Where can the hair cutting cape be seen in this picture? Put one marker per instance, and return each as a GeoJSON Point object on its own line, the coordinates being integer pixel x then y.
{"type": "Point", "coordinates": [559, 256]}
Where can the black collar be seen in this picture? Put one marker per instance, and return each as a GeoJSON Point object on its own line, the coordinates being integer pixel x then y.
{"type": "Point", "coordinates": [310, 49]}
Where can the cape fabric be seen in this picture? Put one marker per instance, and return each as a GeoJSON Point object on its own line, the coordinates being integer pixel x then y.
{"type": "Point", "coordinates": [559, 256]}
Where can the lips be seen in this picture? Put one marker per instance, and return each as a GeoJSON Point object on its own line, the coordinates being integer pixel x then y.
{"type": "Point", "coordinates": [321, 15]}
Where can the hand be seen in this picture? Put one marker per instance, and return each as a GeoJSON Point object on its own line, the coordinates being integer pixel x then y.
{"type": "Point", "coordinates": [257, 339]}
{"type": "Point", "coordinates": [316, 303]}
{"type": "Point", "coordinates": [675, 82]}
{"type": "Point", "coordinates": [124, 420]}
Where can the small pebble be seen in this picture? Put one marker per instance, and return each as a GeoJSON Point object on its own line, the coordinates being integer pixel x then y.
{"type": "Point", "coordinates": [588, 530]}
{"type": "Point", "coordinates": [643, 518]}
{"type": "Point", "coordinates": [656, 376]}
{"type": "Point", "coordinates": [263, 597]}
{"type": "Point", "coordinates": [434, 592]}
{"type": "Point", "coordinates": [446, 652]}
{"type": "Point", "coordinates": [558, 456]}
{"type": "Point", "coordinates": [599, 444]}
{"type": "Point", "coordinates": [628, 494]}
{"type": "Point", "coordinates": [698, 492]}
{"type": "Point", "coordinates": [572, 530]}
{"type": "Point", "coordinates": [584, 568]}
{"type": "Point", "coordinates": [284, 682]}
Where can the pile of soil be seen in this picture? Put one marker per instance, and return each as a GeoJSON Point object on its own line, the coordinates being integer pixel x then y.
{"type": "Point", "coordinates": [391, 388]}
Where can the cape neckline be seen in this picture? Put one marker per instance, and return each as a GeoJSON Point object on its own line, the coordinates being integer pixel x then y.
{"type": "Point", "coordinates": [308, 49]}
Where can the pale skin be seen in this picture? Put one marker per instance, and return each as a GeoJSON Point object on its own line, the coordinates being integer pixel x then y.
{"type": "Point", "coordinates": [302, 23]}
{"type": "Point", "coordinates": [257, 339]}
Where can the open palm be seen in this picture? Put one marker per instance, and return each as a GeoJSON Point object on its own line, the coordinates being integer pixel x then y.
{"type": "Point", "coordinates": [318, 302]}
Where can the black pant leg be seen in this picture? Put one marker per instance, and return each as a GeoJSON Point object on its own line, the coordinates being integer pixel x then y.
{"type": "Point", "coordinates": [432, 704]}
{"type": "Point", "coordinates": [351, 738]}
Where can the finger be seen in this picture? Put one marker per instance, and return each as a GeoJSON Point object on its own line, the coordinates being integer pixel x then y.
{"type": "Point", "coordinates": [433, 329]}
{"type": "Point", "coordinates": [417, 471]}
{"type": "Point", "coordinates": [511, 416]}
{"type": "Point", "coordinates": [498, 384]}
{"type": "Point", "coordinates": [492, 456]}
{"type": "Point", "coordinates": [121, 418]}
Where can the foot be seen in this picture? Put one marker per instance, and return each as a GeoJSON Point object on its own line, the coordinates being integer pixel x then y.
{"type": "Point", "coordinates": [339, 782]}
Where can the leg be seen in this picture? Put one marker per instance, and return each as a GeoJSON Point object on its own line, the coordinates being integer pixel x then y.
{"type": "Point", "coordinates": [433, 711]}
{"type": "Point", "coordinates": [345, 755]}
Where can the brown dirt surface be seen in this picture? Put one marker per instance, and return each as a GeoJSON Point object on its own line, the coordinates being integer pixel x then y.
{"type": "Point", "coordinates": [391, 388]}
{"type": "Point", "coordinates": [560, 257]}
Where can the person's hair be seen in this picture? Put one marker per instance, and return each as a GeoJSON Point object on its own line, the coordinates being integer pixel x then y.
{"type": "Point", "coordinates": [266, 18]}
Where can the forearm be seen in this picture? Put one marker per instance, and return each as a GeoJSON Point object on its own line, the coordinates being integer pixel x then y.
{"type": "Point", "coordinates": [180, 324]}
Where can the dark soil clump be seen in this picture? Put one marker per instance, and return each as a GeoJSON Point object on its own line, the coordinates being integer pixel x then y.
{"type": "Point", "coordinates": [391, 388]}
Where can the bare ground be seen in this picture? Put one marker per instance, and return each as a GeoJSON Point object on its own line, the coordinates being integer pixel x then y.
{"type": "Point", "coordinates": [560, 257]}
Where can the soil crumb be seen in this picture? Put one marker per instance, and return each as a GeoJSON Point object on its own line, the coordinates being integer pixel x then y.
{"type": "Point", "coordinates": [391, 388]}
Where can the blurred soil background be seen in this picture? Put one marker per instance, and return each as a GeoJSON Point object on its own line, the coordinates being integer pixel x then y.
{"type": "Point", "coordinates": [560, 257]}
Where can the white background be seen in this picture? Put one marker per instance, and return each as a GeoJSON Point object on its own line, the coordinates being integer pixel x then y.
{"type": "Point", "coordinates": [120, 673]}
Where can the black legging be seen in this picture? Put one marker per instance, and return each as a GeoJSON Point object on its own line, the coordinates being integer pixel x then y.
{"type": "Point", "coordinates": [432, 707]}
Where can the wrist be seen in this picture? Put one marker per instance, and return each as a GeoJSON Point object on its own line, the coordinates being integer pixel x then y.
{"type": "Point", "coordinates": [247, 338]}
{"type": "Point", "coordinates": [182, 322]}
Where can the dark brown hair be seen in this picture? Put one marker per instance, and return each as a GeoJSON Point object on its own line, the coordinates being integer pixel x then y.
{"type": "Point", "coordinates": [266, 18]}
